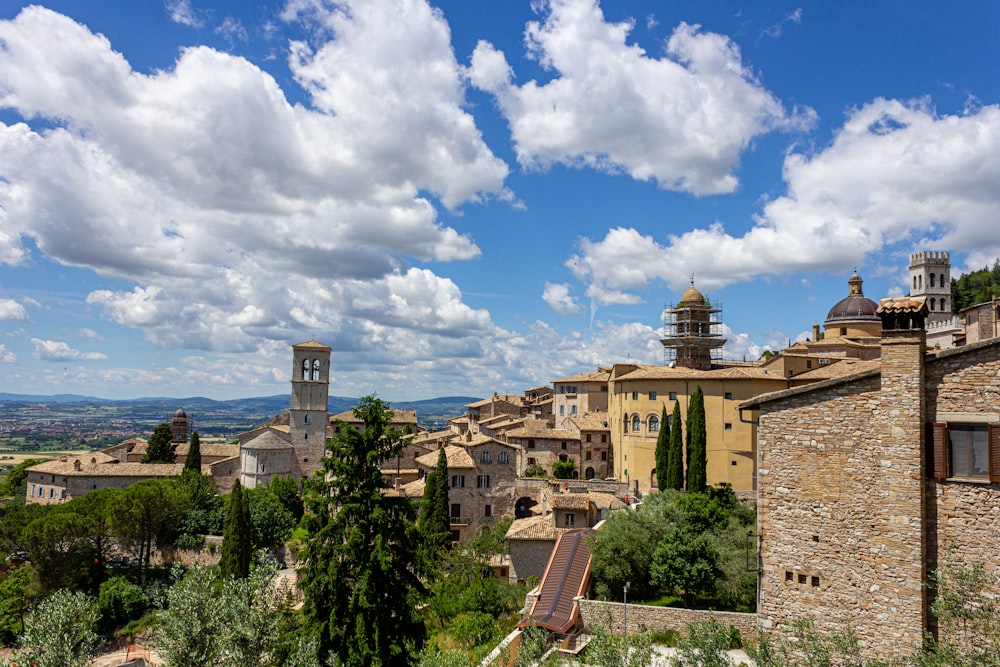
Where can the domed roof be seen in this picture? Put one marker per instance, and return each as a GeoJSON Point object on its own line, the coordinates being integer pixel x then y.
{"type": "Point", "coordinates": [692, 296]}
{"type": "Point", "coordinates": [180, 413]}
{"type": "Point", "coordinates": [855, 307]}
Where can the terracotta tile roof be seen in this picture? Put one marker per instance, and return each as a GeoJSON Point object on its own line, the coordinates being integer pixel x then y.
{"type": "Point", "coordinates": [668, 373]}
{"type": "Point", "coordinates": [268, 440]}
{"type": "Point", "coordinates": [590, 421]}
{"type": "Point", "coordinates": [606, 501]}
{"type": "Point", "coordinates": [570, 501]}
{"type": "Point", "coordinates": [600, 375]}
{"type": "Point", "coordinates": [539, 429]}
{"type": "Point", "coordinates": [515, 399]}
{"type": "Point", "coordinates": [534, 528]}
{"type": "Point", "coordinates": [838, 369]}
{"type": "Point", "coordinates": [457, 458]}
{"type": "Point", "coordinates": [398, 417]}
{"type": "Point", "coordinates": [901, 304]}
{"type": "Point", "coordinates": [414, 489]}
{"type": "Point", "coordinates": [67, 468]}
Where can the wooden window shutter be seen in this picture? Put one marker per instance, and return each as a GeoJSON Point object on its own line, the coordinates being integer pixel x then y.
{"type": "Point", "coordinates": [993, 432]}
{"type": "Point", "coordinates": [939, 440]}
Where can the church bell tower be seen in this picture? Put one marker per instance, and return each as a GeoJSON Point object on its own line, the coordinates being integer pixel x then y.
{"type": "Point", "coordinates": [308, 413]}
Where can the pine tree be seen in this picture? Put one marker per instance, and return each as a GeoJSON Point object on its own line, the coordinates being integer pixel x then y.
{"type": "Point", "coordinates": [675, 453]}
{"type": "Point", "coordinates": [435, 520]}
{"type": "Point", "coordinates": [193, 460]}
{"type": "Point", "coordinates": [161, 448]}
{"type": "Point", "coordinates": [662, 453]}
{"type": "Point", "coordinates": [362, 580]}
{"type": "Point", "coordinates": [696, 443]}
{"type": "Point", "coordinates": [237, 543]}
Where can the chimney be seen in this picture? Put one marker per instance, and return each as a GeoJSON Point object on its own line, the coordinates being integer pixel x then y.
{"type": "Point", "coordinates": [76, 464]}
{"type": "Point", "coordinates": [898, 464]}
{"type": "Point", "coordinates": [815, 332]}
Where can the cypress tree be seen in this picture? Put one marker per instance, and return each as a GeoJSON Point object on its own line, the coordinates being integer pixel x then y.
{"type": "Point", "coordinates": [237, 543]}
{"type": "Point", "coordinates": [193, 460]}
{"type": "Point", "coordinates": [161, 448]}
{"type": "Point", "coordinates": [675, 454]}
{"type": "Point", "coordinates": [435, 521]}
{"type": "Point", "coordinates": [696, 445]}
{"type": "Point", "coordinates": [662, 453]}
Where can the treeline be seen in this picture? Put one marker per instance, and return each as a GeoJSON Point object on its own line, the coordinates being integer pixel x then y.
{"type": "Point", "coordinates": [975, 287]}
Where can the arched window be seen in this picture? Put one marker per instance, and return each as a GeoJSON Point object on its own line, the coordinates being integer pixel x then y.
{"type": "Point", "coordinates": [654, 424]}
{"type": "Point", "coordinates": [942, 303]}
{"type": "Point", "coordinates": [636, 423]}
{"type": "Point", "coordinates": [914, 282]}
{"type": "Point", "coordinates": [308, 419]}
{"type": "Point", "coordinates": [315, 370]}
{"type": "Point", "coordinates": [920, 281]}
{"type": "Point", "coordinates": [305, 369]}
{"type": "Point", "coordinates": [932, 304]}
{"type": "Point", "coordinates": [932, 280]}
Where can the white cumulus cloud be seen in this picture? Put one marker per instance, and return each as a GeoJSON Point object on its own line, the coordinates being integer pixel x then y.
{"type": "Point", "coordinates": [557, 296]}
{"type": "Point", "coordinates": [11, 310]}
{"type": "Point", "coordinates": [681, 119]}
{"type": "Point", "coordinates": [6, 356]}
{"type": "Point", "coordinates": [57, 350]}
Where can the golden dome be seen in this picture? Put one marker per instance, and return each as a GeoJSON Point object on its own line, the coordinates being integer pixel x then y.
{"type": "Point", "coordinates": [692, 296]}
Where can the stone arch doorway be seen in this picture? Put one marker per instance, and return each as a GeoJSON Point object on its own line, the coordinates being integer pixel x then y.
{"type": "Point", "coordinates": [522, 508]}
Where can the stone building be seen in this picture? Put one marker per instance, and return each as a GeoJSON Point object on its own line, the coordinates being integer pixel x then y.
{"type": "Point", "coordinates": [580, 393]}
{"type": "Point", "coordinates": [871, 481]}
{"type": "Point", "coordinates": [65, 478]}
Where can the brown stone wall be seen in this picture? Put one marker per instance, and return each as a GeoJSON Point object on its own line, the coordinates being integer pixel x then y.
{"type": "Point", "coordinates": [611, 616]}
{"type": "Point", "coordinates": [528, 558]}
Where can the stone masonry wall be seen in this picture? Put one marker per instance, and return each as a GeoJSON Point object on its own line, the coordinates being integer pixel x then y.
{"type": "Point", "coordinates": [611, 616]}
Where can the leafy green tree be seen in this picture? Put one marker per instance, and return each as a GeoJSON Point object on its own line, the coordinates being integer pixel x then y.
{"type": "Point", "coordinates": [59, 548]}
{"type": "Point", "coordinates": [17, 592]}
{"type": "Point", "coordinates": [686, 563]}
{"type": "Point", "coordinates": [60, 632]}
{"type": "Point", "coordinates": [148, 515]}
{"type": "Point", "coordinates": [161, 448]}
{"type": "Point", "coordinates": [119, 601]}
{"type": "Point", "coordinates": [206, 511]}
{"type": "Point", "coordinates": [435, 518]}
{"type": "Point", "coordinates": [189, 628]}
{"type": "Point", "coordinates": [662, 453]}
{"type": "Point", "coordinates": [97, 505]}
{"type": "Point", "coordinates": [237, 536]}
{"type": "Point", "coordinates": [362, 578]}
{"type": "Point", "coordinates": [696, 443]}
{"type": "Point", "coordinates": [563, 469]}
{"type": "Point", "coordinates": [15, 482]}
{"type": "Point", "coordinates": [270, 523]}
{"type": "Point", "coordinates": [609, 650]}
{"type": "Point", "coordinates": [675, 453]}
{"type": "Point", "coordinates": [286, 490]}
{"type": "Point", "coordinates": [192, 461]}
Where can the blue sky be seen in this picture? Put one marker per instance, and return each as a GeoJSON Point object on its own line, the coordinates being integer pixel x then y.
{"type": "Point", "coordinates": [466, 197]}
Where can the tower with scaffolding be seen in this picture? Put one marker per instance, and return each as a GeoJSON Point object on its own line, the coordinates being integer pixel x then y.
{"type": "Point", "coordinates": [692, 332]}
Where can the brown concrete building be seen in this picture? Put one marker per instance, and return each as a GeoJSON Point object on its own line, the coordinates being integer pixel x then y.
{"type": "Point", "coordinates": [872, 480]}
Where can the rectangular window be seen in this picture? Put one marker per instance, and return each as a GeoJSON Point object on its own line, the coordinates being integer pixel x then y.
{"type": "Point", "coordinates": [635, 396]}
{"type": "Point", "coordinates": [604, 456]}
{"type": "Point", "coordinates": [572, 409]}
{"type": "Point", "coordinates": [569, 520]}
{"type": "Point", "coordinates": [970, 451]}
{"type": "Point", "coordinates": [486, 457]}
{"type": "Point", "coordinates": [457, 481]}
{"type": "Point", "coordinates": [32, 493]}
{"type": "Point", "coordinates": [652, 395]}
{"type": "Point", "coordinates": [564, 445]}
{"type": "Point", "coordinates": [531, 461]}
{"type": "Point", "coordinates": [531, 444]}
{"type": "Point", "coordinates": [673, 396]}
{"type": "Point", "coordinates": [729, 395]}
{"type": "Point", "coordinates": [729, 427]}
{"type": "Point", "coordinates": [502, 458]}
{"type": "Point", "coordinates": [488, 510]}
{"type": "Point", "coordinates": [483, 482]}
{"type": "Point", "coordinates": [588, 456]}
{"type": "Point", "coordinates": [604, 437]}
{"type": "Point", "coordinates": [562, 410]}
{"type": "Point", "coordinates": [588, 437]}
{"type": "Point", "coordinates": [809, 363]}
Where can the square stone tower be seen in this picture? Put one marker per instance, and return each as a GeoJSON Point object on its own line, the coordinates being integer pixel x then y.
{"type": "Point", "coordinates": [308, 414]}
{"type": "Point", "coordinates": [930, 277]}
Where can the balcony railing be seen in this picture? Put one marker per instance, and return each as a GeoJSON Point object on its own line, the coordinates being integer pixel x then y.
{"type": "Point", "coordinates": [461, 520]}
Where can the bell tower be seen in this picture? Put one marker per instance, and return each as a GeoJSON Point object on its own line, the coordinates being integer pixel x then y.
{"type": "Point", "coordinates": [308, 412]}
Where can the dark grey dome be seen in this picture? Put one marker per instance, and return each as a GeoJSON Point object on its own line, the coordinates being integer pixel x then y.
{"type": "Point", "coordinates": [855, 307]}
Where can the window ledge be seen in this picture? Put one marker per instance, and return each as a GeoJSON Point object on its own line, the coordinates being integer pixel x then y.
{"type": "Point", "coordinates": [969, 480]}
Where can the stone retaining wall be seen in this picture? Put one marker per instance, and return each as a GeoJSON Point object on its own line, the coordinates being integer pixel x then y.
{"type": "Point", "coordinates": [611, 616]}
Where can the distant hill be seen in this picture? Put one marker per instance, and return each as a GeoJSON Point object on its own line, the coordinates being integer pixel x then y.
{"type": "Point", "coordinates": [428, 410]}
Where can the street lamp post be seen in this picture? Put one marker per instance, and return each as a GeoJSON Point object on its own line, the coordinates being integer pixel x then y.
{"type": "Point", "coordinates": [625, 609]}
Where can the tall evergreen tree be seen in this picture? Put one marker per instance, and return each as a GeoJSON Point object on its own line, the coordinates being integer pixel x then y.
{"type": "Point", "coordinates": [193, 460]}
{"type": "Point", "coordinates": [435, 519]}
{"type": "Point", "coordinates": [237, 541]}
{"type": "Point", "coordinates": [363, 574]}
{"type": "Point", "coordinates": [675, 451]}
{"type": "Point", "coordinates": [161, 448]}
{"type": "Point", "coordinates": [696, 443]}
{"type": "Point", "coordinates": [662, 453]}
